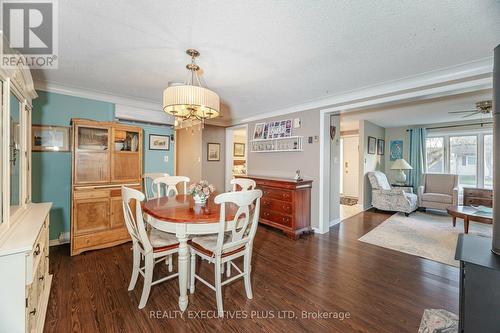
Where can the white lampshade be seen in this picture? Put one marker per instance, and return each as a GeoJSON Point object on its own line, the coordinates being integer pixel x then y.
{"type": "Point", "coordinates": [183, 100]}
{"type": "Point", "coordinates": [401, 164]}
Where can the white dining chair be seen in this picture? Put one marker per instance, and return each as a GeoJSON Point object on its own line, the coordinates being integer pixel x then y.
{"type": "Point", "coordinates": [231, 242]}
{"type": "Point", "coordinates": [147, 184]}
{"type": "Point", "coordinates": [153, 245]}
{"type": "Point", "coordinates": [171, 184]}
{"type": "Point", "coordinates": [243, 183]}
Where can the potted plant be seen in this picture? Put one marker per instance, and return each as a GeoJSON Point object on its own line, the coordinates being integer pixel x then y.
{"type": "Point", "coordinates": [201, 191]}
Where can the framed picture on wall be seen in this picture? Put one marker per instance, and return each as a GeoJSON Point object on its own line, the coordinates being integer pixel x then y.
{"type": "Point", "coordinates": [159, 142]}
{"type": "Point", "coordinates": [50, 138]}
{"type": "Point", "coordinates": [213, 152]}
{"type": "Point", "coordinates": [372, 145]}
{"type": "Point", "coordinates": [396, 150]}
{"type": "Point", "coordinates": [258, 132]}
{"type": "Point", "coordinates": [238, 149]}
{"type": "Point", "coordinates": [266, 131]}
{"type": "Point", "coordinates": [380, 147]}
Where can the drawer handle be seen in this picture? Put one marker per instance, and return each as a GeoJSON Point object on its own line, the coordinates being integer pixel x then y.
{"type": "Point", "coordinates": [33, 312]}
{"type": "Point", "coordinates": [41, 278]}
{"type": "Point", "coordinates": [37, 249]}
{"type": "Point", "coordinates": [286, 207]}
{"type": "Point", "coordinates": [285, 219]}
{"type": "Point", "coordinates": [266, 214]}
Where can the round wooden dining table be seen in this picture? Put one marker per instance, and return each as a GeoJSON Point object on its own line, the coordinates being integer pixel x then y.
{"type": "Point", "coordinates": [181, 216]}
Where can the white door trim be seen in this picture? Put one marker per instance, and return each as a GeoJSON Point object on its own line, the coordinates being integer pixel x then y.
{"type": "Point", "coordinates": [229, 153]}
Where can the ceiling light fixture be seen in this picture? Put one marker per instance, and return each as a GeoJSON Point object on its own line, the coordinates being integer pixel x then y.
{"type": "Point", "coordinates": [190, 103]}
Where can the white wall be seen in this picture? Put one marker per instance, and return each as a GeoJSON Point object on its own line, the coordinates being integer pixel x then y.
{"type": "Point", "coordinates": [191, 154]}
{"type": "Point", "coordinates": [188, 153]}
{"type": "Point", "coordinates": [214, 171]}
{"type": "Point", "coordinates": [369, 162]}
{"type": "Point", "coordinates": [335, 171]}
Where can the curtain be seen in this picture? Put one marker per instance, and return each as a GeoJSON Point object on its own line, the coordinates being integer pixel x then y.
{"type": "Point", "coordinates": [416, 139]}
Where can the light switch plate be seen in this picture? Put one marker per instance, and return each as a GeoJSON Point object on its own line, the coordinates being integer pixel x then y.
{"type": "Point", "coordinates": [165, 158]}
{"type": "Point", "coordinates": [296, 123]}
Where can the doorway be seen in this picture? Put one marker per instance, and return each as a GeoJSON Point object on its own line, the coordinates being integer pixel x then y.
{"type": "Point", "coordinates": [236, 153]}
{"type": "Point", "coordinates": [350, 166]}
{"type": "Point", "coordinates": [349, 185]}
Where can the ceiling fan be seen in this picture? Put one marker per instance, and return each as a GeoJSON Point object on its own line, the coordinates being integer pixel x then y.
{"type": "Point", "coordinates": [482, 108]}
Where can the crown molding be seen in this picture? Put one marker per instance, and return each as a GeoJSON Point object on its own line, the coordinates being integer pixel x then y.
{"type": "Point", "coordinates": [471, 76]}
{"type": "Point", "coordinates": [414, 95]}
{"type": "Point", "coordinates": [97, 95]}
{"type": "Point", "coordinates": [132, 107]}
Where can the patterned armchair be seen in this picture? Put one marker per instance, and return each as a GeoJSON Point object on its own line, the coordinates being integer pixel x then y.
{"type": "Point", "coordinates": [384, 197]}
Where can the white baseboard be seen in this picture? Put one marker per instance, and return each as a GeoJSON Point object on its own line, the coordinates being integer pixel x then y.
{"type": "Point", "coordinates": [331, 223]}
{"type": "Point", "coordinates": [63, 239]}
{"type": "Point", "coordinates": [334, 222]}
{"type": "Point", "coordinates": [317, 231]}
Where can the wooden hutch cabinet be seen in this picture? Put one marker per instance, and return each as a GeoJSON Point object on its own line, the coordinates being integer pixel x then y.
{"type": "Point", "coordinates": [106, 155]}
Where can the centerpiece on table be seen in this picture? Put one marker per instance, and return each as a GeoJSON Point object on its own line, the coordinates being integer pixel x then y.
{"type": "Point", "coordinates": [201, 191]}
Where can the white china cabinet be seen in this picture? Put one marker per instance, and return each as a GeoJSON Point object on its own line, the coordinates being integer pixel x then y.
{"type": "Point", "coordinates": [24, 257]}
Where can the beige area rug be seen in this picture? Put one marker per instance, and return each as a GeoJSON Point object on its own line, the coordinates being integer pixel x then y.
{"type": "Point", "coordinates": [438, 321]}
{"type": "Point", "coordinates": [428, 235]}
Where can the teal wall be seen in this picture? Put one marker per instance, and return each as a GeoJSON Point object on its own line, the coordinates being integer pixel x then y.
{"type": "Point", "coordinates": [154, 160]}
{"type": "Point", "coordinates": [51, 171]}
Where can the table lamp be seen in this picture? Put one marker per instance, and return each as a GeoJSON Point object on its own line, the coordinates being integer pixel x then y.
{"type": "Point", "coordinates": [401, 165]}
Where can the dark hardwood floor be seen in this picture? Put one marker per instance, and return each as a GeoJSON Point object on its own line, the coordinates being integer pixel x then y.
{"type": "Point", "coordinates": [381, 290]}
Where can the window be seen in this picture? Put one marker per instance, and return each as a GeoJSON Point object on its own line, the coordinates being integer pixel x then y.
{"type": "Point", "coordinates": [488, 160]}
{"type": "Point", "coordinates": [470, 160]}
{"type": "Point", "coordinates": [435, 154]}
{"type": "Point", "coordinates": [467, 153]}
{"type": "Point", "coordinates": [463, 149]}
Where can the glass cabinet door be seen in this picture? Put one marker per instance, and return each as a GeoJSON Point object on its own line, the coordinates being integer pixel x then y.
{"type": "Point", "coordinates": [126, 158]}
{"type": "Point", "coordinates": [126, 140]}
{"type": "Point", "coordinates": [27, 150]}
{"type": "Point", "coordinates": [92, 160]}
{"type": "Point", "coordinates": [92, 138]}
{"type": "Point", "coordinates": [15, 153]}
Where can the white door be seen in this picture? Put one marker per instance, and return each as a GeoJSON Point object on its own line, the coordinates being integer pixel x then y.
{"type": "Point", "coordinates": [350, 166]}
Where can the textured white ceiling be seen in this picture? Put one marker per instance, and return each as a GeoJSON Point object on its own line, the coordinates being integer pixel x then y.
{"type": "Point", "coordinates": [420, 112]}
{"type": "Point", "coordinates": [264, 55]}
